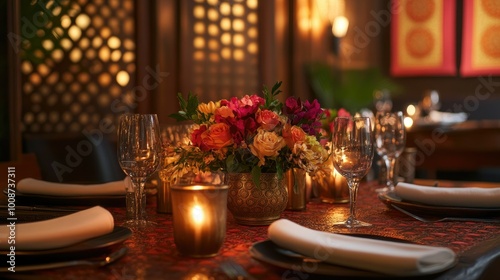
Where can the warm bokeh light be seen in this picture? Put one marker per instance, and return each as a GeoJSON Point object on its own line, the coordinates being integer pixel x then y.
{"type": "Point", "coordinates": [122, 78]}
{"type": "Point", "coordinates": [225, 24]}
{"type": "Point", "coordinates": [411, 110]}
{"type": "Point", "coordinates": [116, 55]}
{"type": "Point", "coordinates": [114, 42]}
{"type": "Point", "coordinates": [199, 42]}
{"type": "Point", "coordinates": [238, 40]}
{"type": "Point", "coordinates": [74, 32]}
{"type": "Point", "coordinates": [408, 122]}
{"type": "Point", "coordinates": [82, 21]}
{"type": "Point", "coordinates": [213, 30]}
{"type": "Point", "coordinates": [104, 54]}
{"type": "Point", "coordinates": [65, 21]}
{"type": "Point", "coordinates": [253, 48]}
{"type": "Point", "coordinates": [238, 10]}
{"type": "Point", "coordinates": [66, 43]}
{"type": "Point", "coordinates": [199, 12]}
{"type": "Point", "coordinates": [199, 28]}
{"type": "Point", "coordinates": [340, 26]}
{"type": "Point", "coordinates": [330, 9]}
{"type": "Point", "coordinates": [226, 39]}
{"type": "Point", "coordinates": [238, 25]}
{"type": "Point", "coordinates": [225, 8]}
{"type": "Point", "coordinates": [48, 45]}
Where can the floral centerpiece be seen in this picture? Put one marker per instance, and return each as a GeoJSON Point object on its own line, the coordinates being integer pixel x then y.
{"type": "Point", "coordinates": [252, 134]}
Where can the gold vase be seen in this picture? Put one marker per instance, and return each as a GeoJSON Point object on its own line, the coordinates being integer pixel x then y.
{"type": "Point", "coordinates": [295, 179]}
{"type": "Point", "coordinates": [256, 205]}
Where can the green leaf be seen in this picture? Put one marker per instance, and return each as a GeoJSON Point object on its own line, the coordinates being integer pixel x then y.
{"type": "Point", "coordinates": [188, 108]}
{"type": "Point", "coordinates": [256, 176]}
{"type": "Point", "coordinates": [231, 164]}
{"type": "Point", "coordinates": [271, 103]}
{"type": "Point", "coordinates": [276, 86]}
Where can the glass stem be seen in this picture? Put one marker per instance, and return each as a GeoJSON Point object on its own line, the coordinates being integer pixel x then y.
{"type": "Point", "coordinates": [138, 198]}
{"type": "Point", "coordinates": [390, 163]}
{"type": "Point", "coordinates": [353, 194]}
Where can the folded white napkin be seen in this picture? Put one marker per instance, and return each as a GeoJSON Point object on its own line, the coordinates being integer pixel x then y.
{"type": "Point", "coordinates": [58, 232]}
{"type": "Point", "coordinates": [458, 197]}
{"type": "Point", "coordinates": [387, 257]}
{"type": "Point", "coordinates": [447, 117]}
{"type": "Point", "coordinates": [34, 186]}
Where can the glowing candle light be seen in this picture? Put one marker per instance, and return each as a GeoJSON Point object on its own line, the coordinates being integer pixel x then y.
{"type": "Point", "coordinates": [197, 214]}
{"type": "Point", "coordinates": [199, 218]}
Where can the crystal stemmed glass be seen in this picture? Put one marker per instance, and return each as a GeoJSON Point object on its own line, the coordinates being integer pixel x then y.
{"type": "Point", "coordinates": [390, 139]}
{"type": "Point", "coordinates": [352, 157]}
{"type": "Point", "coordinates": [139, 155]}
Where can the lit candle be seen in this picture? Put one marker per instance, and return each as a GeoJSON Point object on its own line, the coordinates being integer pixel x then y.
{"type": "Point", "coordinates": [199, 218]}
{"type": "Point", "coordinates": [197, 215]}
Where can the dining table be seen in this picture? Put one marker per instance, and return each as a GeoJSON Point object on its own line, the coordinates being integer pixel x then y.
{"type": "Point", "coordinates": [152, 253]}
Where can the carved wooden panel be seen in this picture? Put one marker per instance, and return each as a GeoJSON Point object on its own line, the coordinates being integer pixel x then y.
{"type": "Point", "coordinates": [78, 63]}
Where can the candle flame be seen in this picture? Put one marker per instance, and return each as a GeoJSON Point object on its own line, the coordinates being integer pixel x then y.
{"type": "Point", "coordinates": [197, 214]}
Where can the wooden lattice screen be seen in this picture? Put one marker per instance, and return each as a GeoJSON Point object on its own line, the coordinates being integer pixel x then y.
{"type": "Point", "coordinates": [221, 48]}
{"type": "Point", "coordinates": [78, 63]}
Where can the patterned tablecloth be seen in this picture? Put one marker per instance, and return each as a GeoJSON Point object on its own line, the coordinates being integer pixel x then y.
{"type": "Point", "coordinates": [153, 255]}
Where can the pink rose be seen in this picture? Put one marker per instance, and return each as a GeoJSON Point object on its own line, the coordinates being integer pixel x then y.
{"type": "Point", "coordinates": [267, 119]}
{"type": "Point", "coordinates": [343, 113]}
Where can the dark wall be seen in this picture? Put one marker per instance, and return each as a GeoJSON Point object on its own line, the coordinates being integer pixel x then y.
{"type": "Point", "coordinates": [4, 101]}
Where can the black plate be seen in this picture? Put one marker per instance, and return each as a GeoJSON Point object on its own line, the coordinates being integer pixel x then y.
{"type": "Point", "coordinates": [390, 198]}
{"type": "Point", "coordinates": [90, 200]}
{"type": "Point", "coordinates": [88, 248]}
{"type": "Point", "coordinates": [299, 267]}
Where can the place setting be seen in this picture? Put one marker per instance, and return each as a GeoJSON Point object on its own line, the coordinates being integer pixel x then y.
{"type": "Point", "coordinates": [304, 250]}
{"type": "Point", "coordinates": [30, 191]}
{"type": "Point", "coordinates": [69, 240]}
{"type": "Point", "coordinates": [457, 202]}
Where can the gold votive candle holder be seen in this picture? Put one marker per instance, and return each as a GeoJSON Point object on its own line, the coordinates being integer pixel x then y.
{"type": "Point", "coordinates": [199, 214]}
{"type": "Point", "coordinates": [333, 188]}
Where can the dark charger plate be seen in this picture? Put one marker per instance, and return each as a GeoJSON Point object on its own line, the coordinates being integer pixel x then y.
{"type": "Point", "coordinates": [90, 200]}
{"type": "Point", "coordinates": [89, 248]}
{"type": "Point", "coordinates": [390, 198]}
{"type": "Point", "coordinates": [299, 267]}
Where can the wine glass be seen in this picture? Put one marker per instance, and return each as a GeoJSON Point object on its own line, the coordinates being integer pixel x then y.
{"type": "Point", "coordinates": [352, 158]}
{"type": "Point", "coordinates": [390, 139]}
{"type": "Point", "coordinates": [139, 155]}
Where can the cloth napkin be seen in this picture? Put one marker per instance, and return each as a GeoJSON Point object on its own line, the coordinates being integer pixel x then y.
{"type": "Point", "coordinates": [58, 232]}
{"type": "Point", "coordinates": [447, 117]}
{"type": "Point", "coordinates": [458, 197]}
{"type": "Point", "coordinates": [34, 186]}
{"type": "Point", "coordinates": [401, 259]}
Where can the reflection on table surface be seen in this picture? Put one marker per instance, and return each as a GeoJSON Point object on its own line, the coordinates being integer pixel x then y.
{"type": "Point", "coordinates": [153, 255]}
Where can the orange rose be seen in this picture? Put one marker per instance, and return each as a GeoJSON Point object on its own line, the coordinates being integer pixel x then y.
{"type": "Point", "coordinates": [292, 135]}
{"type": "Point", "coordinates": [267, 119]}
{"type": "Point", "coordinates": [266, 144]}
{"type": "Point", "coordinates": [217, 136]}
{"type": "Point", "coordinates": [224, 112]}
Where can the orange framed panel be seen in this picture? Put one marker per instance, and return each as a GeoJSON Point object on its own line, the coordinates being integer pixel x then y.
{"type": "Point", "coordinates": [423, 39]}
{"type": "Point", "coordinates": [480, 38]}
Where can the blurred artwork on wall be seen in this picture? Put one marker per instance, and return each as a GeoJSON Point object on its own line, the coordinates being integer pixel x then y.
{"type": "Point", "coordinates": [423, 38]}
{"type": "Point", "coordinates": [481, 38]}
